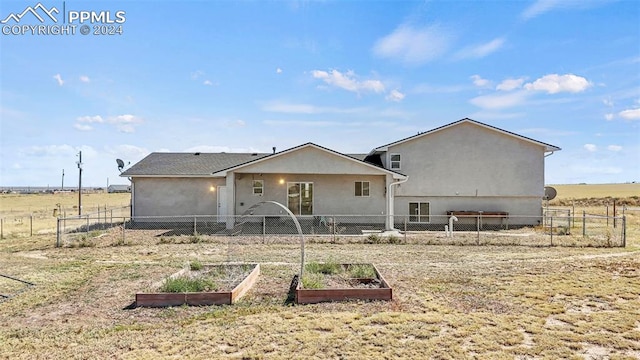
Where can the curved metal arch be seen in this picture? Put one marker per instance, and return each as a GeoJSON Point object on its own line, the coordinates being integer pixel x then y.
{"type": "Point", "coordinates": [295, 221]}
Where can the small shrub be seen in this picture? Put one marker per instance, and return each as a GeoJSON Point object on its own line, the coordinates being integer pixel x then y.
{"type": "Point", "coordinates": [195, 238]}
{"type": "Point", "coordinates": [186, 284]}
{"type": "Point", "coordinates": [394, 239]}
{"type": "Point", "coordinates": [166, 240]}
{"type": "Point", "coordinates": [330, 267]}
{"type": "Point", "coordinates": [195, 265]}
{"type": "Point", "coordinates": [313, 281]}
{"type": "Point", "coordinates": [372, 239]}
{"type": "Point", "coordinates": [362, 271]}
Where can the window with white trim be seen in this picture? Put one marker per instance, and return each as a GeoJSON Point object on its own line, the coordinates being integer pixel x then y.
{"type": "Point", "coordinates": [258, 187]}
{"type": "Point", "coordinates": [362, 188]}
{"type": "Point", "coordinates": [394, 162]}
{"type": "Point", "coordinates": [419, 212]}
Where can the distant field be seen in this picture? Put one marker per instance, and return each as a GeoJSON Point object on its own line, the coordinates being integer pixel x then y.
{"type": "Point", "coordinates": [575, 191]}
{"type": "Point", "coordinates": [13, 204]}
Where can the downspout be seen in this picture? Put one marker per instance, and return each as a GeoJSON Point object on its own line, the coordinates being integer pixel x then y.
{"type": "Point", "coordinates": [549, 154]}
{"type": "Point", "coordinates": [391, 202]}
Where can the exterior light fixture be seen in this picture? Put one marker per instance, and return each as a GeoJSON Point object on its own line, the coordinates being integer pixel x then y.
{"type": "Point", "coordinates": [281, 181]}
{"type": "Point", "coordinates": [212, 188]}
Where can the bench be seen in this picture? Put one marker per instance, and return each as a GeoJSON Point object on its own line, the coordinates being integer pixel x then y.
{"type": "Point", "coordinates": [502, 215]}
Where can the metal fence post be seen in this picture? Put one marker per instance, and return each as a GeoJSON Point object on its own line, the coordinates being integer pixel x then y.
{"type": "Point", "coordinates": [58, 232]}
{"type": "Point", "coordinates": [551, 229]}
{"type": "Point", "coordinates": [584, 223]}
{"type": "Point", "coordinates": [624, 231]}
{"type": "Point", "coordinates": [478, 230]}
{"type": "Point", "coordinates": [124, 225]}
{"type": "Point", "coordinates": [333, 228]}
{"type": "Point", "coordinates": [405, 229]}
{"type": "Point", "coordinates": [111, 218]}
{"type": "Point", "coordinates": [195, 229]}
{"type": "Point", "coordinates": [264, 229]}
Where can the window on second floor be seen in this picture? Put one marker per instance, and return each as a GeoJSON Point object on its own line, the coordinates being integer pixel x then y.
{"type": "Point", "coordinates": [394, 164]}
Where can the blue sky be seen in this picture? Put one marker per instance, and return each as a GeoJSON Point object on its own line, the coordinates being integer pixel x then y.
{"type": "Point", "coordinates": [351, 76]}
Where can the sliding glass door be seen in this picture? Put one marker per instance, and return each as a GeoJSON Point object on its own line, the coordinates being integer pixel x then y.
{"type": "Point", "coordinates": [300, 198]}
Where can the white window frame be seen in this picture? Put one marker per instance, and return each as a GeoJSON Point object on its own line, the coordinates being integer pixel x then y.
{"type": "Point", "coordinates": [391, 162]}
{"type": "Point", "coordinates": [362, 189]}
{"type": "Point", "coordinates": [261, 187]}
{"type": "Point", "coordinates": [420, 216]}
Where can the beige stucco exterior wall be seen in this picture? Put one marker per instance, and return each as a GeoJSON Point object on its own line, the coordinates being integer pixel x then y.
{"type": "Point", "coordinates": [332, 194]}
{"type": "Point", "coordinates": [469, 167]}
{"type": "Point", "coordinates": [309, 160]}
{"type": "Point", "coordinates": [175, 196]}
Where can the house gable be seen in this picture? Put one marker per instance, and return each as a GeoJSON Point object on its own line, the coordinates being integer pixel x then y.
{"type": "Point", "coordinates": [547, 147]}
{"type": "Point", "coordinates": [470, 160]}
{"type": "Point", "coordinates": [310, 159]}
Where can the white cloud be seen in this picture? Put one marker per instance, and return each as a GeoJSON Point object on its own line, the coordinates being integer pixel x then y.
{"type": "Point", "coordinates": [127, 152]}
{"type": "Point", "coordinates": [510, 84]}
{"type": "Point", "coordinates": [124, 123]}
{"type": "Point", "coordinates": [608, 117]}
{"type": "Point", "coordinates": [395, 95]}
{"type": "Point", "coordinates": [608, 102]}
{"type": "Point", "coordinates": [630, 114]}
{"type": "Point", "coordinates": [289, 108]}
{"type": "Point", "coordinates": [542, 6]}
{"type": "Point", "coordinates": [85, 79]}
{"type": "Point", "coordinates": [413, 46]}
{"type": "Point", "coordinates": [50, 150]}
{"type": "Point", "coordinates": [614, 147]}
{"type": "Point", "coordinates": [479, 81]}
{"type": "Point", "coordinates": [500, 101]}
{"type": "Point", "coordinates": [83, 127]}
{"type": "Point", "coordinates": [197, 74]}
{"type": "Point", "coordinates": [90, 119]}
{"type": "Point", "coordinates": [348, 81]}
{"type": "Point", "coordinates": [278, 71]}
{"type": "Point", "coordinates": [480, 50]}
{"type": "Point", "coordinates": [590, 147]}
{"type": "Point", "coordinates": [124, 119]}
{"type": "Point", "coordinates": [207, 82]}
{"type": "Point", "coordinates": [58, 78]}
{"type": "Point", "coordinates": [126, 128]}
{"type": "Point", "coordinates": [539, 7]}
{"type": "Point", "coordinates": [554, 83]}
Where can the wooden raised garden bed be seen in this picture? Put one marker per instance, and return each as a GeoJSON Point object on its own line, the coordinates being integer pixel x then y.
{"type": "Point", "coordinates": [225, 284]}
{"type": "Point", "coordinates": [342, 286]}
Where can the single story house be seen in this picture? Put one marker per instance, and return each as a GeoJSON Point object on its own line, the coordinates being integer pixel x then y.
{"type": "Point", "coordinates": [463, 166]}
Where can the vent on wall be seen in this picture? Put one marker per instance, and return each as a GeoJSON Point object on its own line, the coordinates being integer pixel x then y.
{"type": "Point", "coordinates": [197, 154]}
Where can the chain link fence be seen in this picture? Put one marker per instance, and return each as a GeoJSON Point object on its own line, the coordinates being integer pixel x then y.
{"type": "Point", "coordinates": [44, 221]}
{"type": "Point", "coordinates": [551, 229]}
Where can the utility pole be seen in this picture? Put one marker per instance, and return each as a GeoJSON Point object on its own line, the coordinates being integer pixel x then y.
{"type": "Point", "coordinates": [62, 180]}
{"type": "Point", "coordinates": [80, 183]}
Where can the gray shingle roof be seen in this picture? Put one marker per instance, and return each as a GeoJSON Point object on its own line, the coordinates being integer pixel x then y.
{"type": "Point", "coordinates": [188, 164]}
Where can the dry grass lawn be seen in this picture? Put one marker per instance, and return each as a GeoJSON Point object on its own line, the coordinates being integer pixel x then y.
{"type": "Point", "coordinates": [566, 192]}
{"type": "Point", "coordinates": [450, 302]}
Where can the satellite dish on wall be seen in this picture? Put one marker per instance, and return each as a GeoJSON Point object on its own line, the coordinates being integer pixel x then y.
{"type": "Point", "coordinates": [120, 164]}
{"type": "Point", "coordinates": [550, 193]}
